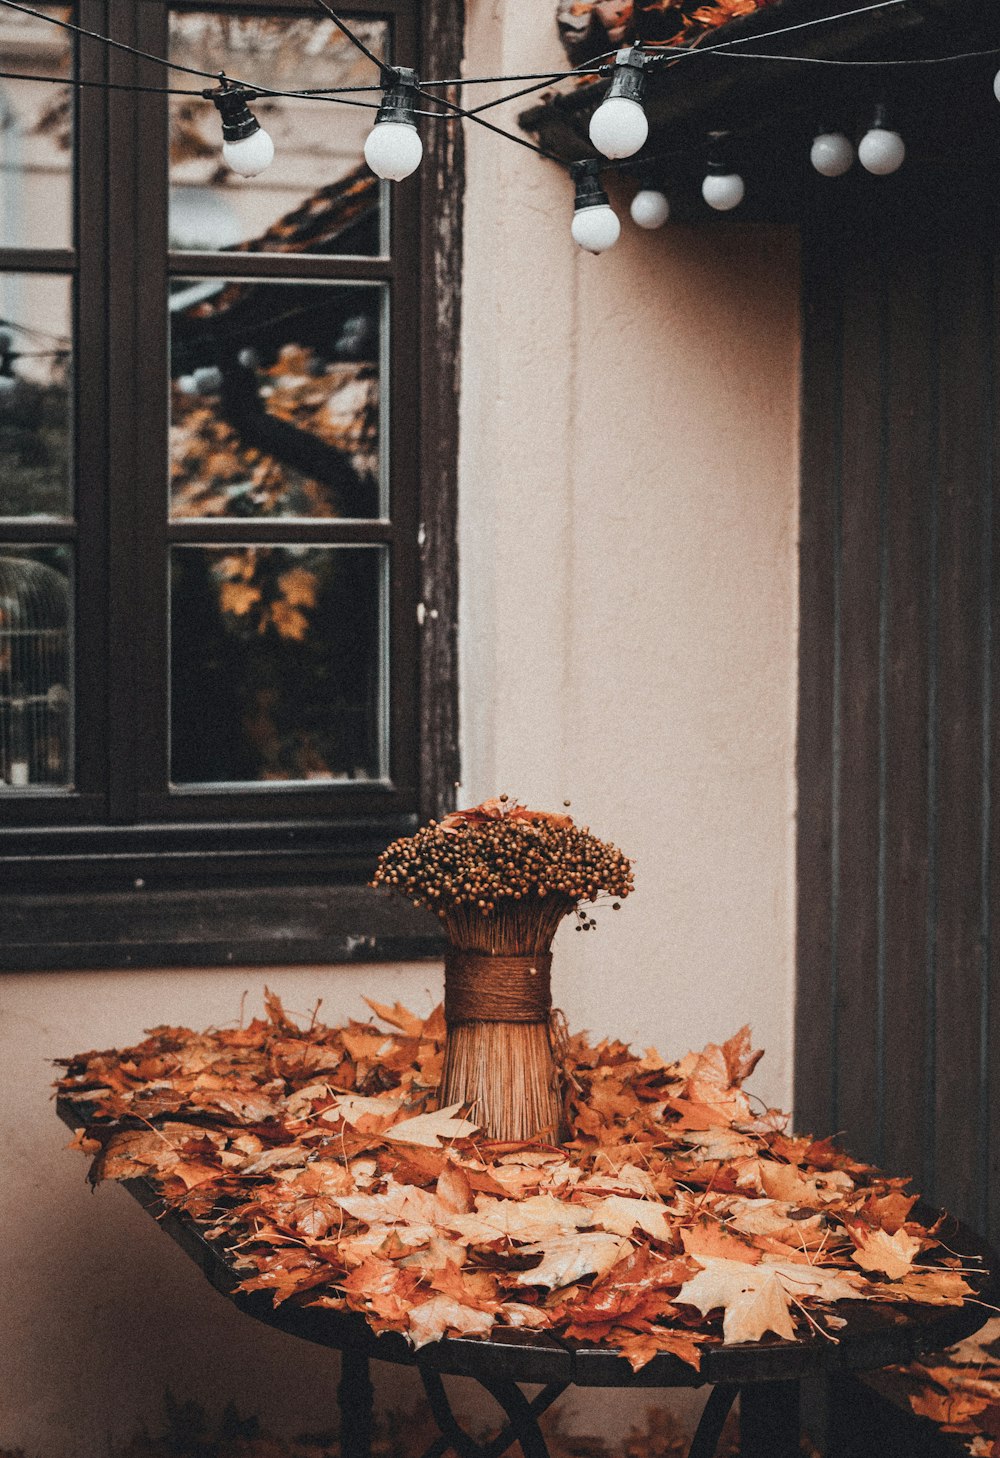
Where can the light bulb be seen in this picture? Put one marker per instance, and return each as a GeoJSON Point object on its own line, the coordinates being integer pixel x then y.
{"type": "Point", "coordinates": [595, 225]}
{"type": "Point", "coordinates": [881, 151]}
{"type": "Point", "coordinates": [723, 190]}
{"type": "Point", "coordinates": [650, 209]}
{"type": "Point", "coordinates": [596, 229]}
{"type": "Point", "coordinates": [619, 127]}
{"type": "Point", "coordinates": [249, 155]}
{"type": "Point", "coordinates": [831, 154]}
{"type": "Point", "coordinates": [246, 148]}
{"type": "Point", "coordinates": [996, 86]}
{"type": "Point", "coordinates": [207, 380]}
{"type": "Point", "coordinates": [393, 150]}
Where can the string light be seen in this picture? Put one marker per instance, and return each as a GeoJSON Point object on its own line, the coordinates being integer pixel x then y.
{"type": "Point", "coordinates": [246, 148]}
{"type": "Point", "coordinates": [831, 154]}
{"type": "Point", "coordinates": [881, 150]}
{"type": "Point", "coordinates": [650, 208]}
{"type": "Point", "coordinates": [619, 127]}
{"type": "Point", "coordinates": [595, 224]}
{"type": "Point", "coordinates": [393, 148]}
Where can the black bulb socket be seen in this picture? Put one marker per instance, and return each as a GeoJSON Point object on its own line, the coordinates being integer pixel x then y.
{"type": "Point", "coordinates": [399, 98]}
{"type": "Point", "coordinates": [719, 160]}
{"type": "Point", "coordinates": [587, 179]}
{"type": "Point", "coordinates": [629, 76]}
{"type": "Point", "coordinates": [238, 121]}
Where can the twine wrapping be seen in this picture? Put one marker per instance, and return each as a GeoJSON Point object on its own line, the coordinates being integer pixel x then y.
{"type": "Point", "coordinates": [498, 1058]}
{"type": "Point", "coordinates": [482, 988]}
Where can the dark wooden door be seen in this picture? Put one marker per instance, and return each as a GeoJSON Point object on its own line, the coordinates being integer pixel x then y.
{"type": "Point", "coordinates": [898, 1012]}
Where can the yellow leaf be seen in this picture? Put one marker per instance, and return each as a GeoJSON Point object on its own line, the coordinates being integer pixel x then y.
{"type": "Point", "coordinates": [893, 1255]}
{"type": "Point", "coordinates": [431, 1128]}
{"type": "Point", "coordinates": [399, 1017]}
{"type": "Point", "coordinates": [238, 598]}
{"type": "Point", "coordinates": [752, 1298]}
{"type": "Point", "coordinates": [566, 1258]}
{"type": "Point", "coordinates": [442, 1316]}
{"type": "Point", "coordinates": [298, 587]}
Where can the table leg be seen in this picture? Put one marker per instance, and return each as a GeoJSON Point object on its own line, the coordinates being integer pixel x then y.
{"type": "Point", "coordinates": [769, 1420]}
{"type": "Point", "coordinates": [355, 1396]}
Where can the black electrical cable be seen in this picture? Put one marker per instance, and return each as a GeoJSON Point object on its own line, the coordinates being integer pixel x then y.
{"type": "Point", "coordinates": [459, 112]}
{"type": "Point", "coordinates": [170, 65]}
{"type": "Point", "coordinates": [355, 40]}
{"type": "Point", "coordinates": [101, 85]}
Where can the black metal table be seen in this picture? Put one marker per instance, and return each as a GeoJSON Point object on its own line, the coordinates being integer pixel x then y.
{"type": "Point", "coordinates": [765, 1376]}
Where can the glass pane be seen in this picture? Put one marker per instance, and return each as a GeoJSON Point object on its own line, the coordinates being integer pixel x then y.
{"type": "Point", "coordinates": [36, 132]}
{"type": "Point", "coordinates": [317, 196]}
{"type": "Point", "coordinates": [274, 400]}
{"type": "Point", "coordinates": [35, 668]}
{"type": "Point", "coordinates": [35, 395]}
{"type": "Point", "coordinates": [277, 664]}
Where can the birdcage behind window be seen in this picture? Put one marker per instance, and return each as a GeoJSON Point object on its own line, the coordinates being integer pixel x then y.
{"type": "Point", "coordinates": [34, 674]}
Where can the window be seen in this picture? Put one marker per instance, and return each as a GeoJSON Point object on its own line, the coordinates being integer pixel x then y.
{"type": "Point", "coordinates": [227, 420]}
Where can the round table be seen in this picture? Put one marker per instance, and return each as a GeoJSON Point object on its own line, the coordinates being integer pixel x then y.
{"type": "Point", "coordinates": [765, 1375]}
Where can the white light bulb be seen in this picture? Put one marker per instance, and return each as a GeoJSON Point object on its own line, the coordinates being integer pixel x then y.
{"type": "Point", "coordinates": [723, 190]}
{"type": "Point", "coordinates": [249, 155]}
{"type": "Point", "coordinates": [996, 86]}
{"type": "Point", "coordinates": [832, 154]}
{"type": "Point", "coordinates": [619, 127]}
{"type": "Point", "coordinates": [207, 380]}
{"type": "Point", "coordinates": [881, 151]}
{"type": "Point", "coordinates": [393, 150]}
{"type": "Point", "coordinates": [596, 228]}
{"type": "Point", "coordinates": [650, 209]}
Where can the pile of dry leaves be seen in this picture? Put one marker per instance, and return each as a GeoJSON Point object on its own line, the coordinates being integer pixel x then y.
{"type": "Point", "coordinates": [678, 1215]}
{"type": "Point", "coordinates": [958, 1390]}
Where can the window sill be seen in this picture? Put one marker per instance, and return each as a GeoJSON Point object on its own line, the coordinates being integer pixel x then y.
{"type": "Point", "coordinates": [213, 927]}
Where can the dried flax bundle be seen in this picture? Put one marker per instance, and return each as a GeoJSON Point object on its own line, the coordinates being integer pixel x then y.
{"type": "Point", "coordinates": [501, 878]}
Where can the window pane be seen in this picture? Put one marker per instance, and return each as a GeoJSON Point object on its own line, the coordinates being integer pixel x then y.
{"type": "Point", "coordinates": [277, 664]}
{"type": "Point", "coordinates": [34, 395]}
{"type": "Point", "coordinates": [317, 196]}
{"type": "Point", "coordinates": [35, 668]}
{"type": "Point", "coordinates": [274, 399]}
{"type": "Point", "coordinates": [36, 132]}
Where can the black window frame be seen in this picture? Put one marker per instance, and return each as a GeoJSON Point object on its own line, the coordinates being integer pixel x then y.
{"type": "Point", "coordinates": [103, 856]}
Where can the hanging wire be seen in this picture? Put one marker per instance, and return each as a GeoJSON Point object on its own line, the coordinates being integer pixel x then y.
{"type": "Point", "coordinates": [450, 111]}
{"type": "Point", "coordinates": [457, 112]}
{"type": "Point", "coordinates": [101, 85]}
{"type": "Point", "coordinates": [354, 39]}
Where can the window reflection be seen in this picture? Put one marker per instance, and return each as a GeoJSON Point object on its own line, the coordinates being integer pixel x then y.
{"type": "Point", "coordinates": [35, 719]}
{"type": "Point", "coordinates": [34, 395]}
{"type": "Point", "coordinates": [280, 210]}
{"type": "Point", "coordinates": [276, 664]}
{"type": "Point", "coordinates": [275, 399]}
{"type": "Point", "coordinates": [36, 132]}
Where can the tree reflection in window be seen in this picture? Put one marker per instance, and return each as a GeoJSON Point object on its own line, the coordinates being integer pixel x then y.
{"type": "Point", "coordinates": [275, 399]}
{"type": "Point", "coordinates": [276, 664]}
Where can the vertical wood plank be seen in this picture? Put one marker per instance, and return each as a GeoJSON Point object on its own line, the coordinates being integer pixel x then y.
{"type": "Point", "coordinates": [819, 546]}
{"type": "Point", "coordinates": [963, 440]}
{"type": "Point", "coordinates": [991, 1199]}
{"type": "Point", "coordinates": [857, 903]}
{"type": "Point", "coordinates": [911, 408]}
